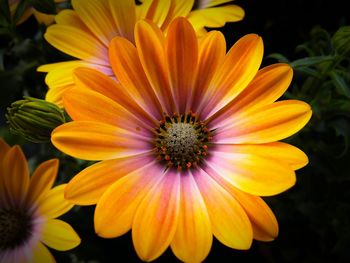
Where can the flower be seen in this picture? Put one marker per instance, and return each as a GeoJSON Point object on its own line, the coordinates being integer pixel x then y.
{"type": "Point", "coordinates": [86, 31]}
{"type": "Point", "coordinates": [46, 19]}
{"type": "Point", "coordinates": [34, 119]}
{"type": "Point", "coordinates": [188, 141]}
{"type": "Point", "coordinates": [28, 208]}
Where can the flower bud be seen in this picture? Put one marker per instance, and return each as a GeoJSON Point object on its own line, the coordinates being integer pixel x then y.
{"type": "Point", "coordinates": [34, 119]}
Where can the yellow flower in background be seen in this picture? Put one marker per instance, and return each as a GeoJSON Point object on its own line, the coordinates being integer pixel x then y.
{"type": "Point", "coordinates": [40, 17]}
{"type": "Point", "coordinates": [86, 31]}
{"type": "Point", "coordinates": [187, 141]}
{"type": "Point", "coordinates": [28, 208]}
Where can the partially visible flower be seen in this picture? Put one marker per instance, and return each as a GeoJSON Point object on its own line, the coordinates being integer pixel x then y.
{"type": "Point", "coordinates": [28, 208]}
{"type": "Point", "coordinates": [188, 141]}
{"type": "Point", "coordinates": [46, 19]}
{"type": "Point", "coordinates": [86, 31]}
{"type": "Point", "coordinates": [34, 119]}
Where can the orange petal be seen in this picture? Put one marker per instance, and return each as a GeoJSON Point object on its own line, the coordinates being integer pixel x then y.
{"type": "Point", "coordinates": [53, 204]}
{"type": "Point", "coordinates": [97, 16]}
{"type": "Point", "coordinates": [68, 40]}
{"type": "Point", "coordinates": [154, 10]}
{"type": "Point", "coordinates": [128, 69]}
{"type": "Point", "coordinates": [251, 173]}
{"type": "Point", "coordinates": [182, 55]}
{"type": "Point", "coordinates": [230, 223]}
{"type": "Point", "coordinates": [42, 180]}
{"type": "Point", "coordinates": [156, 218]}
{"type": "Point", "coordinates": [42, 254]}
{"type": "Point", "coordinates": [212, 50]}
{"type": "Point", "coordinates": [124, 17]}
{"type": "Point", "coordinates": [278, 151]}
{"type": "Point", "coordinates": [177, 8]}
{"type": "Point", "coordinates": [99, 82]}
{"type": "Point", "coordinates": [271, 123]}
{"type": "Point", "coordinates": [193, 236]}
{"type": "Point", "coordinates": [265, 226]}
{"type": "Point", "coordinates": [59, 235]}
{"type": "Point", "coordinates": [150, 46]}
{"type": "Point", "coordinates": [4, 148]}
{"type": "Point", "coordinates": [116, 209]}
{"type": "Point", "coordinates": [87, 187]}
{"type": "Point", "coordinates": [99, 108]}
{"type": "Point", "coordinates": [97, 141]}
{"type": "Point", "coordinates": [267, 86]}
{"type": "Point", "coordinates": [16, 175]}
{"type": "Point", "coordinates": [237, 70]}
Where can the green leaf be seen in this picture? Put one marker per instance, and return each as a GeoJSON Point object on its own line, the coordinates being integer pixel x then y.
{"type": "Point", "coordinates": [341, 40]}
{"type": "Point", "coordinates": [44, 6]}
{"type": "Point", "coordinates": [5, 14]}
{"type": "Point", "coordinates": [21, 7]}
{"type": "Point", "coordinates": [307, 62]}
{"type": "Point", "coordinates": [279, 57]}
{"type": "Point", "coordinates": [340, 84]}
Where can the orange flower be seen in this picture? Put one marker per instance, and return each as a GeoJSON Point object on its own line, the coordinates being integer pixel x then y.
{"type": "Point", "coordinates": [28, 208]}
{"type": "Point", "coordinates": [188, 141]}
{"type": "Point", "coordinates": [86, 31]}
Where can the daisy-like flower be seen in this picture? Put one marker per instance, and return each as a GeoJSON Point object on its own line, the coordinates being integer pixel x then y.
{"type": "Point", "coordinates": [40, 17]}
{"type": "Point", "coordinates": [28, 208]}
{"type": "Point", "coordinates": [188, 141]}
{"type": "Point", "coordinates": [86, 31]}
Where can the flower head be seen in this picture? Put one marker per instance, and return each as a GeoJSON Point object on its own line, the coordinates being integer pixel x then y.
{"type": "Point", "coordinates": [28, 208]}
{"type": "Point", "coordinates": [188, 141]}
{"type": "Point", "coordinates": [86, 31]}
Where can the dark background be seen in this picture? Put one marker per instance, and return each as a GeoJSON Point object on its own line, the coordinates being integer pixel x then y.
{"type": "Point", "coordinates": [314, 216]}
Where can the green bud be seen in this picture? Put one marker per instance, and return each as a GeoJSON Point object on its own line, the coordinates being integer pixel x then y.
{"type": "Point", "coordinates": [34, 119]}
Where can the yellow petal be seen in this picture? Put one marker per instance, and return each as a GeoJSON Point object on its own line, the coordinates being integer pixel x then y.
{"type": "Point", "coordinates": [193, 236]}
{"type": "Point", "coordinates": [55, 94]}
{"type": "Point", "coordinates": [212, 50]}
{"type": "Point", "coordinates": [98, 18]}
{"type": "Point", "coordinates": [42, 180]}
{"type": "Point", "coordinates": [237, 70]}
{"type": "Point", "coordinates": [230, 223]}
{"type": "Point", "coordinates": [267, 86]}
{"type": "Point", "coordinates": [278, 151]}
{"type": "Point", "coordinates": [69, 40]}
{"type": "Point", "coordinates": [128, 69]}
{"type": "Point", "coordinates": [116, 209]}
{"type": "Point", "coordinates": [87, 187]}
{"type": "Point", "coordinates": [99, 82]}
{"type": "Point", "coordinates": [150, 46]}
{"type": "Point", "coordinates": [59, 235]}
{"type": "Point", "coordinates": [53, 204]}
{"type": "Point", "coordinates": [43, 18]}
{"type": "Point", "coordinates": [99, 108]}
{"type": "Point", "coordinates": [251, 173]}
{"type": "Point", "coordinates": [201, 4]}
{"type": "Point", "coordinates": [156, 218]}
{"type": "Point", "coordinates": [16, 175]}
{"type": "Point", "coordinates": [215, 16]}
{"type": "Point", "coordinates": [182, 55]}
{"type": "Point", "coordinates": [124, 16]}
{"type": "Point", "coordinates": [268, 124]}
{"type": "Point", "coordinates": [69, 17]}
{"type": "Point", "coordinates": [97, 141]}
{"type": "Point", "coordinates": [42, 254]}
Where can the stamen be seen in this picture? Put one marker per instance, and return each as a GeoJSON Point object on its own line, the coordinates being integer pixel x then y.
{"type": "Point", "coordinates": [182, 140]}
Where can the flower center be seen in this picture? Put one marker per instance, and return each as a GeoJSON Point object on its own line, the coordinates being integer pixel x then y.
{"type": "Point", "coordinates": [15, 228]}
{"type": "Point", "coordinates": [182, 140]}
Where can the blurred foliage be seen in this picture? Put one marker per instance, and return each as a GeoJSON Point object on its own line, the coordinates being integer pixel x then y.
{"type": "Point", "coordinates": [314, 216]}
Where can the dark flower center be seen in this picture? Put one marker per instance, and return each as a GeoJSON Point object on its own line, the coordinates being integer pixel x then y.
{"type": "Point", "coordinates": [182, 140]}
{"type": "Point", "coordinates": [15, 228]}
